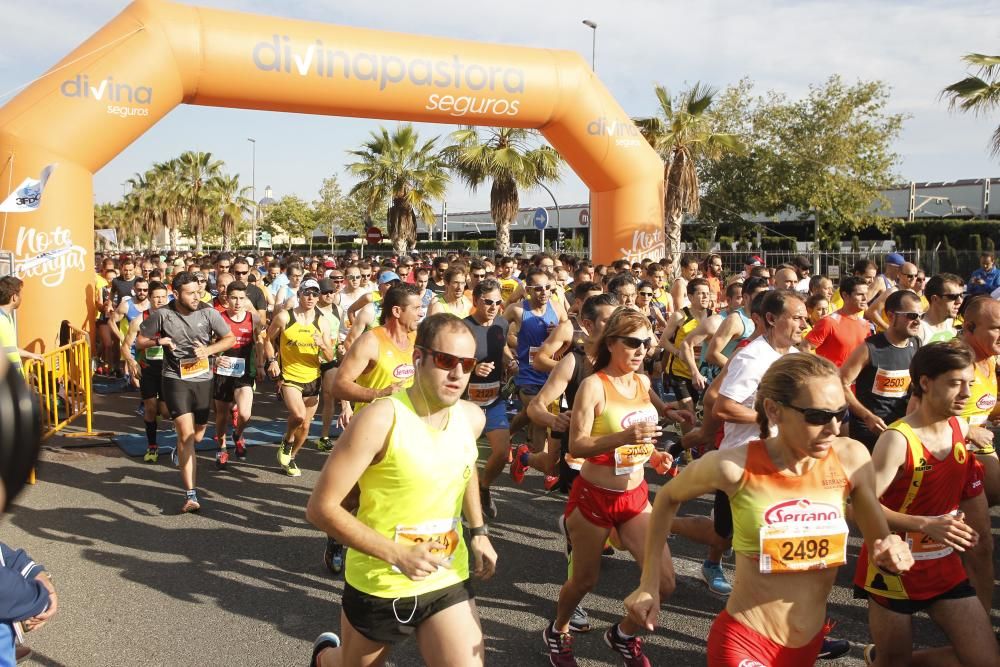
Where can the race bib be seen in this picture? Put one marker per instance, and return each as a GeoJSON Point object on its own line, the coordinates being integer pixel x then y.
{"type": "Point", "coordinates": [154, 353]}
{"type": "Point", "coordinates": [442, 531]}
{"type": "Point", "coordinates": [891, 384]}
{"type": "Point", "coordinates": [629, 458]}
{"type": "Point", "coordinates": [924, 547]}
{"type": "Point", "coordinates": [484, 394]}
{"type": "Point", "coordinates": [236, 367]}
{"type": "Point", "coordinates": [194, 367]}
{"type": "Point", "coordinates": [799, 547]}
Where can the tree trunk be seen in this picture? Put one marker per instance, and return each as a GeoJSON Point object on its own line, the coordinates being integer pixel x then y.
{"type": "Point", "coordinates": [227, 235]}
{"type": "Point", "coordinates": [673, 214]}
{"type": "Point", "coordinates": [402, 226]}
{"type": "Point", "coordinates": [504, 205]}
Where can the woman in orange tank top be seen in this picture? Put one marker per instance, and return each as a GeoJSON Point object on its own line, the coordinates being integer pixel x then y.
{"type": "Point", "coordinates": [788, 494]}
{"type": "Point", "coordinates": [614, 428]}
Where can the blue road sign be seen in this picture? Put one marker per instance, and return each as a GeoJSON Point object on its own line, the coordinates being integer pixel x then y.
{"type": "Point", "coordinates": [541, 219]}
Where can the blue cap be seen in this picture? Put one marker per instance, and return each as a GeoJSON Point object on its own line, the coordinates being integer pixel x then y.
{"type": "Point", "coordinates": [387, 277]}
{"type": "Point", "coordinates": [895, 259]}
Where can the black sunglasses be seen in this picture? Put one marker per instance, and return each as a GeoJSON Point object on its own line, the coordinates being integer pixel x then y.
{"type": "Point", "coordinates": [633, 343]}
{"type": "Point", "coordinates": [447, 362]}
{"type": "Point", "coordinates": [911, 316]}
{"type": "Point", "coordinates": [818, 417]}
{"type": "Point", "coordinates": [953, 297]}
{"type": "Point", "coordinates": [240, 273]}
{"type": "Point", "coordinates": [646, 294]}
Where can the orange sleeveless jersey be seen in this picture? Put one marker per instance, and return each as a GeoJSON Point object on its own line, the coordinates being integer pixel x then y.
{"type": "Point", "coordinates": [941, 484]}
{"type": "Point", "coordinates": [620, 413]}
{"type": "Point", "coordinates": [791, 523]}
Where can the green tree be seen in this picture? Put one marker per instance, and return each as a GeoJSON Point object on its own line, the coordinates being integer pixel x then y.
{"type": "Point", "coordinates": [510, 158]}
{"type": "Point", "coordinates": [195, 170]}
{"type": "Point", "coordinates": [231, 203]}
{"type": "Point", "coordinates": [683, 136]}
{"type": "Point", "coordinates": [290, 215]}
{"type": "Point", "coordinates": [398, 171]}
{"type": "Point", "coordinates": [978, 93]}
{"type": "Point", "coordinates": [827, 155]}
{"type": "Point", "coordinates": [336, 210]}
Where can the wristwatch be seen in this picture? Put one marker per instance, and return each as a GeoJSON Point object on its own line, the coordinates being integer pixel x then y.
{"type": "Point", "coordinates": [479, 531]}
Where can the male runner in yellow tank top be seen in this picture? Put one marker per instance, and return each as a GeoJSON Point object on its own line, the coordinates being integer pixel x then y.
{"type": "Point", "coordinates": [981, 332]}
{"type": "Point", "coordinates": [380, 363]}
{"type": "Point", "coordinates": [414, 457]}
{"type": "Point", "coordinates": [303, 334]}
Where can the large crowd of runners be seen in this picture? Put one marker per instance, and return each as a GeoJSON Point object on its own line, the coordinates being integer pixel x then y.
{"type": "Point", "coordinates": [806, 407]}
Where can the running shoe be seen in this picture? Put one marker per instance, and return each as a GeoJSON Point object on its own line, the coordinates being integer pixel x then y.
{"type": "Point", "coordinates": [284, 454]}
{"type": "Point", "coordinates": [579, 621]}
{"type": "Point", "coordinates": [323, 642]}
{"type": "Point", "coordinates": [714, 577]}
{"type": "Point", "coordinates": [869, 654]}
{"type": "Point", "coordinates": [486, 501]}
{"type": "Point", "coordinates": [560, 647]}
{"type": "Point", "coordinates": [292, 469]}
{"type": "Point", "coordinates": [241, 448]}
{"type": "Point", "coordinates": [834, 648]}
{"type": "Point", "coordinates": [221, 458]}
{"type": "Point", "coordinates": [140, 410]}
{"type": "Point", "coordinates": [517, 466]}
{"type": "Point", "coordinates": [190, 505]}
{"type": "Point", "coordinates": [324, 444]}
{"type": "Point", "coordinates": [333, 556]}
{"type": "Point", "coordinates": [550, 482]}
{"type": "Point", "coordinates": [151, 455]}
{"type": "Point", "coordinates": [629, 649]}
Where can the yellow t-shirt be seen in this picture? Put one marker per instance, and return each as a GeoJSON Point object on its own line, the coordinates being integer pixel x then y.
{"type": "Point", "coordinates": [414, 494]}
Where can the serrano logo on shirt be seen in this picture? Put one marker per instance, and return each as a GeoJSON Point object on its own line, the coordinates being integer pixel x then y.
{"type": "Point", "coordinates": [403, 372]}
{"type": "Point", "coordinates": [801, 510]}
{"type": "Point", "coordinates": [986, 402]}
{"type": "Point", "coordinates": [638, 417]}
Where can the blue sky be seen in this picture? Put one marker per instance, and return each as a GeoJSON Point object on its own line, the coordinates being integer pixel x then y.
{"type": "Point", "coordinates": [783, 45]}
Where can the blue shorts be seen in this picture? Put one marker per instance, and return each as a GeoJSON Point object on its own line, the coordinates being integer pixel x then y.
{"type": "Point", "coordinates": [496, 417]}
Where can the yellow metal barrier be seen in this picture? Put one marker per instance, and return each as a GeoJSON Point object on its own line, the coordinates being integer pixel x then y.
{"type": "Point", "coordinates": [62, 379]}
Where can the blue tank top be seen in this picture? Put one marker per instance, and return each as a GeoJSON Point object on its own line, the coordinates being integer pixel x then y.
{"type": "Point", "coordinates": [132, 311]}
{"type": "Point", "coordinates": [534, 331]}
{"type": "Point", "coordinates": [748, 328]}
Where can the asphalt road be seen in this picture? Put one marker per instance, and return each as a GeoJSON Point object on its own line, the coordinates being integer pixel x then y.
{"type": "Point", "coordinates": [243, 581]}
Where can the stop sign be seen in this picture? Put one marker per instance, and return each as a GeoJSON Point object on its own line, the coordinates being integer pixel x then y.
{"type": "Point", "coordinates": [373, 235]}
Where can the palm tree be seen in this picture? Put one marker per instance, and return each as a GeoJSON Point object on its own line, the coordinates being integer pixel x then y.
{"type": "Point", "coordinates": [510, 158]}
{"type": "Point", "coordinates": [399, 171]}
{"type": "Point", "coordinates": [195, 170]}
{"type": "Point", "coordinates": [231, 203]}
{"type": "Point", "coordinates": [682, 136]}
{"type": "Point", "coordinates": [978, 94]}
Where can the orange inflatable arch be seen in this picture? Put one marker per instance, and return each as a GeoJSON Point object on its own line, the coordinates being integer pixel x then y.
{"type": "Point", "coordinates": [156, 55]}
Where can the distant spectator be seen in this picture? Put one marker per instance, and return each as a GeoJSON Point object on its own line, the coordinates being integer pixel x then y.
{"type": "Point", "coordinates": [986, 279]}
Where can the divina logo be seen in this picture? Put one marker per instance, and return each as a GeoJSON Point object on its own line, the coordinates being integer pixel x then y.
{"type": "Point", "coordinates": [624, 131]}
{"type": "Point", "coordinates": [281, 55]}
{"type": "Point", "coordinates": [445, 76]}
{"type": "Point", "coordinates": [81, 86]}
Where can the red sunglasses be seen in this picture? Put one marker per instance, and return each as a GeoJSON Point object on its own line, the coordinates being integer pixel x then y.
{"type": "Point", "coordinates": [447, 362]}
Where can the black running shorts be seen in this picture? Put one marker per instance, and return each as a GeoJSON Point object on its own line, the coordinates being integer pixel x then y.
{"type": "Point", "coordinates": [392, 620]}
{"type": "Point", "coordinates": [308, 389]}
{"type": "Point", "coordinates": [910, 607]}
{"type": "Point", "coordinates": [150, 381]}
{"type": "Point", "coordinates": [224, 388]}
{"type": "Point", "coordinates": [187, 397]}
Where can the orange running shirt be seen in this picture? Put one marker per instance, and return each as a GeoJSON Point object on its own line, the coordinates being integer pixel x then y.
{"type": "Point", "coordinates": [835, 337]}
{"type": "Point", "coordinates": [620, 413]}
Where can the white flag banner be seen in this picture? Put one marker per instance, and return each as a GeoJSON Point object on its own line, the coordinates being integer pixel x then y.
{"type": "Point", "coordinates": [28, 196]}
{"type": "Point", "coordinates": [108, 234]}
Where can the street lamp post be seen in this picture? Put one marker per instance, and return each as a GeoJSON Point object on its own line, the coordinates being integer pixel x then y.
{"type": "Point", "coordinates": [593, 44]}
{"type": "Point", "coordinates": [253, 190]}
{"type": "Point", "coordinates": [593, 66]}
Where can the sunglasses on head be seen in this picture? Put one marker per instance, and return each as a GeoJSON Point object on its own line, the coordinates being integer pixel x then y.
{"type": "Point", "coordinates": [818, 417]}
{"type": "Point", "coordinates": [447, 362]}
{"type": "Point", "coordinates": [911, 316]}
{"type": "Point", "coordinates": [633, 343]}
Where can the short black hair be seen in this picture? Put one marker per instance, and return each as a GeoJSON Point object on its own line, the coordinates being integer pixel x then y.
{"type": "Point", "coordinates": [181, 279]}
{"type": "Point", "coordinates": [938, 358]}
{"type": "Point", "coordinates": [848, 284]}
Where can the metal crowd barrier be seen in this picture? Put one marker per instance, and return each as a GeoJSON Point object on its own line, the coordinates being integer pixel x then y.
{"type": "Point", "coordinates": [62, 380]}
